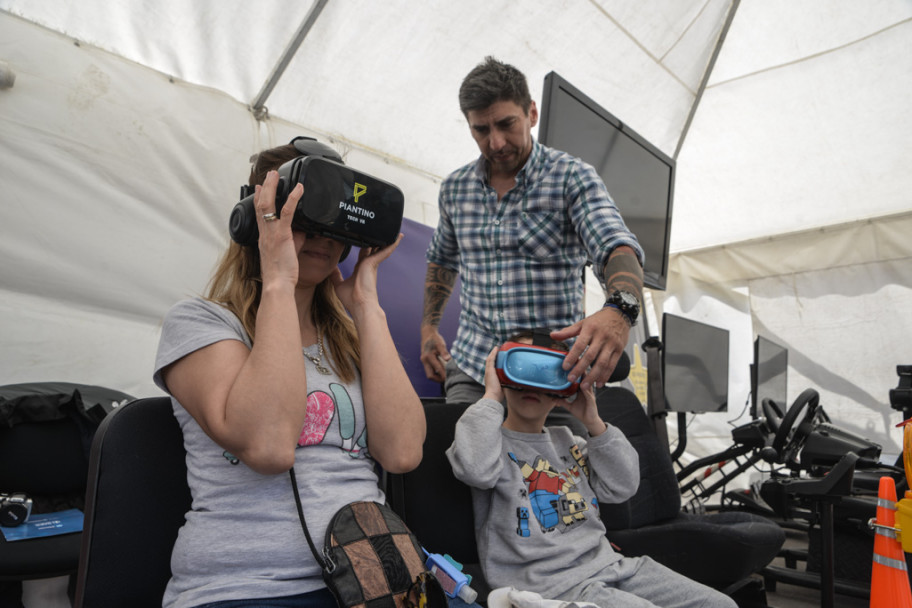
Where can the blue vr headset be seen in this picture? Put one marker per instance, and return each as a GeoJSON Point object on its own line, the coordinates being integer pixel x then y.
{"type": "Point", "coordinates": [522, 366]}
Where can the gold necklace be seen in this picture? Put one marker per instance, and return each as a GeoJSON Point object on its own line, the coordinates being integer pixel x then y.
{"type": "Point", "coordinates": [318, 360]}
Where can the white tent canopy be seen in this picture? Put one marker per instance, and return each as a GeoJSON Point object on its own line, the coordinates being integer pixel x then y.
{"type": "Point", "coordinates": [127, 133]}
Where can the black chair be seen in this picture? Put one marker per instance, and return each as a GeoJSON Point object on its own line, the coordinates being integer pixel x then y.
{"type": "Point", "coordinates": [46, 429]}
{"type": "Point", "coordinates": [435, 505]}
{"type": "Point", "coordinates": [135, 503]}
{"type": "Point", "coordinates": [721, 549]}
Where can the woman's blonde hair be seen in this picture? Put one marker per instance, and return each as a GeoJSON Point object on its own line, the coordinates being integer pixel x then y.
{"type": "Point", "coordinates": [237, 285]}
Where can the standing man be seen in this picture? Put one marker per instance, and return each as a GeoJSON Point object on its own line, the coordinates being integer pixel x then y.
{"type": "Point", "coordinates": [519, 225]}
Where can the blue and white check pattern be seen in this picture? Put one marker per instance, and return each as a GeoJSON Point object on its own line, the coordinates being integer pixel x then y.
{"type": "Point", "coordinates": [521, 259]}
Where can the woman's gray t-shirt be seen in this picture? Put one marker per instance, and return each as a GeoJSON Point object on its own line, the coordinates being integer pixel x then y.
{"type": "Point", "coordinates": [242, 537]}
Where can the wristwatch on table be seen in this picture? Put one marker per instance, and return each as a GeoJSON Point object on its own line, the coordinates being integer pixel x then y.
{"type": "Point", "coordinates": [627, 303]}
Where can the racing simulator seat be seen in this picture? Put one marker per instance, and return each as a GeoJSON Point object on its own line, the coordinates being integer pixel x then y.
{"type": "Point", "coordinates": [821, 490]}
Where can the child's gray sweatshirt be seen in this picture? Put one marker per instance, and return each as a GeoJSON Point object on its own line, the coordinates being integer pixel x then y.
{"type": "Point", "coordinates": [535, 498]}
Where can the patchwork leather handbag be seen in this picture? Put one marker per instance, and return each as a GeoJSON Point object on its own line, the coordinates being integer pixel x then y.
{"type": "Point", "coordinates": [370, 558]}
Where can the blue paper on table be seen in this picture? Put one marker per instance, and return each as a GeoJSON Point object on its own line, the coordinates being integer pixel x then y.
{"type": "Point", "coordinates": [46, 524]}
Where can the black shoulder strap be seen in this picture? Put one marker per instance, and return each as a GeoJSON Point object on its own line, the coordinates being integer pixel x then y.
{"type": "Point", "coordinates": [313, 548]}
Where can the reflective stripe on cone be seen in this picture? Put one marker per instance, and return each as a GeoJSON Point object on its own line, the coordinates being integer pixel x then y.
{"type": "Point", "coordinates": [889, 580]}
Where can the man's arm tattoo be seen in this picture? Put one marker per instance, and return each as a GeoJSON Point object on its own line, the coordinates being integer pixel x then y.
{"type": "Point", "coordinates": [438, 286]}
{"type": "Point", "coordinates": [623, 272]}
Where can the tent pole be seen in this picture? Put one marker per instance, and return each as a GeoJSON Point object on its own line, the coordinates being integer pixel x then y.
{"type": "Point", "coordinates": [258, 106]}
{"type": "Point", "coordinates": [709, 68]}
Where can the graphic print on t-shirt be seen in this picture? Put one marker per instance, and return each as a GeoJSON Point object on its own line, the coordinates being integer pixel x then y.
{"type": "Point", "coordinates": [553, 496]}
{"type": "Point", "coordinates": [322, 409]}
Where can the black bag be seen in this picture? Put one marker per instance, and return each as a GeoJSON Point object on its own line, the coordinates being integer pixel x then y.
{"type": "Point", "coordinates": [370, 557]}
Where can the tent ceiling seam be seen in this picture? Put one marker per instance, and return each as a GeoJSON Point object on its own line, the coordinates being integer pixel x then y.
{"type": "Point", "coordinates": [258, 104]}
{"type": "Point", "coordinates": [747, 280]}
{"type": "Point", "coordinates": [723, 33]}
{"type": "Point", "coordinates": [842, 226]}
{"type": "Point", "coordinates": [633, 39]}
{"type": "Point", "coordinates": [685, 30]}
{"type": "Point", "coordinates": [813, 56]}
{"type": "Point", "coordinates": [684, 267]}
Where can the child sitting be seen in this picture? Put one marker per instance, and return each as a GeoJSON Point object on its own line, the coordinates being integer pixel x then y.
{"type": "Point", "coordinates": [535, 492]}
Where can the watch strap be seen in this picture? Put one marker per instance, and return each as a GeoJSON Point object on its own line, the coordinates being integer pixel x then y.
{"type": "Point", "coordinates": [630, 322]}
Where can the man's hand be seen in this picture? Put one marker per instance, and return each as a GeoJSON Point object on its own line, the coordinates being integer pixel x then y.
{"type": "Point", "coordinates": [602, 336]}
{"type": "Point", "coordinates": [438, 285]}
{"type": "Point", "coordinates": [600, 340]}
{"type": "Point", "coordinates": [434, 353]}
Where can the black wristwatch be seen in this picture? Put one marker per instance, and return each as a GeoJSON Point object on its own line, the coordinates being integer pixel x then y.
{"type": "Point", "coordinates": [627, 303]}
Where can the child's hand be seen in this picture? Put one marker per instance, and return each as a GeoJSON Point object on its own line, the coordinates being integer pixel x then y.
{"type": "Point", "coordinates": [585, 409]}
{"type": "Point", "coordinates": [493, 390]}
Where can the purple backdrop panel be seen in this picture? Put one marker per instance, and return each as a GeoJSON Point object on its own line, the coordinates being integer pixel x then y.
{"type": "Point", "coordinates": [401, 291]}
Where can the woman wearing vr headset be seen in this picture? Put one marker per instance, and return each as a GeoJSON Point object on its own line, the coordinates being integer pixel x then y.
{"type": "Point", "coordinates": [283, 364]}
{"type": "Point", "coordinates": [536, 488]}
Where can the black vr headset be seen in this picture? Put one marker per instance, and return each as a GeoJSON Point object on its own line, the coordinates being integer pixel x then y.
{"type": "Point", "coordinates": [338, 202]}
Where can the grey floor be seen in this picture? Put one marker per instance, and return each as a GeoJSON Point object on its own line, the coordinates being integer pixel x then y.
{"type": "Point", "coordinates": [790, 596]}
{"type": "Point", "coordinates": [793, 596]}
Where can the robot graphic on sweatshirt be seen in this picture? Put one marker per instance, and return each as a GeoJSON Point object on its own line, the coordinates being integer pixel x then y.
{"type": "Point", "coordinates": [553, 496]}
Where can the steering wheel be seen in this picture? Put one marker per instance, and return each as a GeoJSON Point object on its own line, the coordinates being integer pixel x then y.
{"type": "Point", "coordinates": [790, 437]}
{"type": "Point", "coordinates": [772, 413]}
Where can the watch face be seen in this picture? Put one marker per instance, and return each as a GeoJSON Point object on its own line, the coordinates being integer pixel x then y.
{"type": "Point", "coordinates": [628, 298]}
{"type": "Point", "coordinates": [627, 303]}
{"type": "Point", "coordinates": [625, 299]}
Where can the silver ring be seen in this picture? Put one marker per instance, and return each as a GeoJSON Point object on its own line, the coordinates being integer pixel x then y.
{"type": "Point", "coordinates": [270, 217]}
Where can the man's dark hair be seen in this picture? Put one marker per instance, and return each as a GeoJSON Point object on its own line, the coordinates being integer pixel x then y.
{"type": "Point", "coordinates": [492, 81]}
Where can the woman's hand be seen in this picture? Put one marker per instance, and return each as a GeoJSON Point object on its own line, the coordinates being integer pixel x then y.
{"type": "Point", "coordinates": [360, 289]}
{"type": "Point", "coordinates": [278, 253]}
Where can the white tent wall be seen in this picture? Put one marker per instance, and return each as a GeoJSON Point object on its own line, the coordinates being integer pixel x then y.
{"type": "Point", "coordinates": [117, 185]}
{"type": "Point", "coordinates": [102, 211]}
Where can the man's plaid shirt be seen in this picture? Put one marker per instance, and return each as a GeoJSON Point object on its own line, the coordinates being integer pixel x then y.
{"type": "Point", "coordinates": [521, 259]}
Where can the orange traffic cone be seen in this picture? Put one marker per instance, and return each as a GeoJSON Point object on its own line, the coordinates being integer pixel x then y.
{"type": "Point", "coordinates": [889, 579]}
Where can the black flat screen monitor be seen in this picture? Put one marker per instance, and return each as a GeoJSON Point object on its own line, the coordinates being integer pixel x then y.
{"type": "Point", "coordinates": [769, 374]}
{"type": "Point", "coordinates": [639, 176]}
{"type": "Point", "coordinates": [694, 365]}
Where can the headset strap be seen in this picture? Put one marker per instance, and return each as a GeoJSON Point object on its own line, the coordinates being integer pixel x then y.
{"type": "Point", "coordinates": [655, 394]}
{"type": "Point", "coordinates": [541, 336]}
